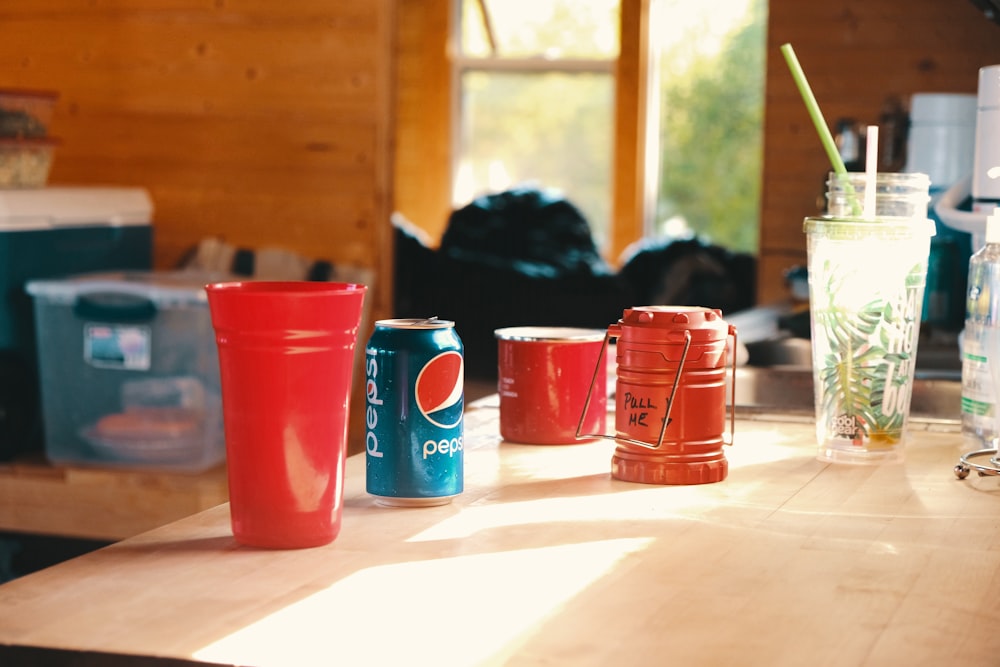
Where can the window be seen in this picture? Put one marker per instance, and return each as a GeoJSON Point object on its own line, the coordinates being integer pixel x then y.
{"type": "Point", "coordinates": [536, 100]}
{"type": "Point", "coordinates": [535, 82]}
{"type": "Point", "coordinates": [711, 73]}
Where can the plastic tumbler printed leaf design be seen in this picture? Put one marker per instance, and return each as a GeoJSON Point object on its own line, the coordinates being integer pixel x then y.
{"type": "Point", "coordinates": [863, 381]}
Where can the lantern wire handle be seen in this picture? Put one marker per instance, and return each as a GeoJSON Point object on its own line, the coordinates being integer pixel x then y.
{"type": "Point", "coordinates": [670, 401]}
{"type": "Point", "coordinates": [590, 391]}
{"type": "Point", "coordinates": [732, 400]}
{"type": "Point", "coordinates": [673, 392]}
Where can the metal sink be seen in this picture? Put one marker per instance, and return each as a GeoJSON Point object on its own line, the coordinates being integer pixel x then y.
{"type": "Point", "coordinates": [778, 378]}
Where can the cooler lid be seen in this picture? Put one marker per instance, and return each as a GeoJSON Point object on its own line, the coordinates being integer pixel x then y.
{"type": "Point", "coordinates": [49, 207]}
{"type": "Point", "coordinates": [163, 288]}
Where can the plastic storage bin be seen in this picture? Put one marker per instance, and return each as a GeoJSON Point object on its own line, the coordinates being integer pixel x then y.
{"type": "Point", "coordinates": [47, 233]}
{"type": "Point", "coordinates": [129, 370]}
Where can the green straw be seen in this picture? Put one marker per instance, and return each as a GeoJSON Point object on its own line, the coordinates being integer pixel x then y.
{"type": "Point", "coordinates": [813, 108]}
{"type": "Point", "coordinates": [817, 118]}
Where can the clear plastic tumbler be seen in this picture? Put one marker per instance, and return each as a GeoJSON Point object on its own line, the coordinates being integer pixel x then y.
{"type": "Point", "coordinates": [866, 285]}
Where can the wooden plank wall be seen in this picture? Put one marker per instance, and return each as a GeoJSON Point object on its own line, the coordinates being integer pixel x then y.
{"type": "Point", "coordinates": [854, 54]}
{"type": "Point", "coordinates": [266, 123]}
{"type": "Point", "coordinates": [424, 106]}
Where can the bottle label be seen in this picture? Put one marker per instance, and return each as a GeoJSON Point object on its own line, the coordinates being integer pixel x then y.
{"type": "Point", "coordinates": [979, 400]}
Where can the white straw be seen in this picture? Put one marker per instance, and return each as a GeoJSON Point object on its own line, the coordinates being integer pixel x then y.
{"type": "Point", "coordinates": [871, 171]}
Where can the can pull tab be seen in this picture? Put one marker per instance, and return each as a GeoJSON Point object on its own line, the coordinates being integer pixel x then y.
{"type": "Point", "coordinates": [670, 400]}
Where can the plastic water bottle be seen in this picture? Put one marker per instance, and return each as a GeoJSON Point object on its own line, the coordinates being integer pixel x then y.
{"type": "Point", "coordinates": [981, 343]}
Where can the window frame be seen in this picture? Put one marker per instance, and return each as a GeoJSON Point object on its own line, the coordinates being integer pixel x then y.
{"type": "Point", "coordinates": [634, 161]}
{"type": "Point", "coordinates": [426, 113]}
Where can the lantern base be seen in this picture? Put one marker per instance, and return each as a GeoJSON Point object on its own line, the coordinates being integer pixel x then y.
{"type": "Point", "coordinates": [653, 467]}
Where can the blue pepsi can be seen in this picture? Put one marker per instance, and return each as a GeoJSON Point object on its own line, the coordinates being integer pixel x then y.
{"type": "Point", "coordinates": [415, 397]}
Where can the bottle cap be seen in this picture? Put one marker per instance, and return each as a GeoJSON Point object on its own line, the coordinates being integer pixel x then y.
{"type": "Point", "coordinates": [993, 226]}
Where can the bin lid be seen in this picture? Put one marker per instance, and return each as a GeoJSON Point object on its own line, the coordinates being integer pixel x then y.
{"type": "Point", "coordinates": [164, 288]}
{"type": "Point", "coordinates": [51, 207]}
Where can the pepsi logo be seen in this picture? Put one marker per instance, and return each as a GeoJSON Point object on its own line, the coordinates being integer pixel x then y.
{"type": "Point", "coordinates": [439, 390]}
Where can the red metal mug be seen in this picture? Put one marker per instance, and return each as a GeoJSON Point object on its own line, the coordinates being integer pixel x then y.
{"type": "Point", "coordinates": [670, 395]}
{"type": "Point", "coordinates": [544, 379]}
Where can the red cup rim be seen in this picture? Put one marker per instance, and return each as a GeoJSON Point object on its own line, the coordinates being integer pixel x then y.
{"type": "Point", "coordinates": [299, 287]}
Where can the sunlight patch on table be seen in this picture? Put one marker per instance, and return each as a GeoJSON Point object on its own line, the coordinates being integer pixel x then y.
{"type": "Point", "coordinates": [474, 607]}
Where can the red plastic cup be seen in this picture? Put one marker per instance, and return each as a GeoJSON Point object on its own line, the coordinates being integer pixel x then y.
{"type": "Point", "coordinates": [544, 376]}
{"type": "Point", "coordinates": [286, 353]}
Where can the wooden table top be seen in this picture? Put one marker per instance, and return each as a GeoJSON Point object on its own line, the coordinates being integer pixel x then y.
{"type": "Point", "coordinates": [546, 560]}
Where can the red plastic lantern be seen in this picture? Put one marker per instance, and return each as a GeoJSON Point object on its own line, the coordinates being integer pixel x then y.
{"type": "Point", "coordinates": [670, 403]}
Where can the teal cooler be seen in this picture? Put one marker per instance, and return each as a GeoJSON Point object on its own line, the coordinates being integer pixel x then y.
{"type": "Point", "coordinates": [50, 232]}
